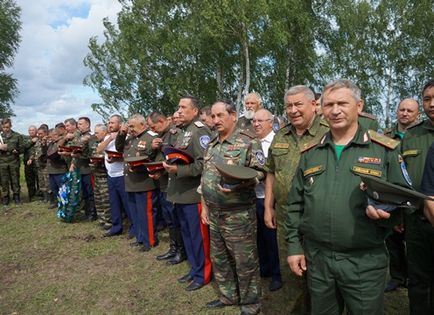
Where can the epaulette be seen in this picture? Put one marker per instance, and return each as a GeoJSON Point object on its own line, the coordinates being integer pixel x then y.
{"type": "Point", "coordinates": [383, 140]}
{"type": "Point", "coordinates": [416, 124]}
{"type": "Point", "coordinates": [247, 133]}
{"type": "Point", "coordinates": [307, 146]}
{"type": "Point", "coordinates": [154, 134]}
{"type": "Point", "coordinates": [367, 115]}
{"type": "Point", "coordinates": [199, 124]}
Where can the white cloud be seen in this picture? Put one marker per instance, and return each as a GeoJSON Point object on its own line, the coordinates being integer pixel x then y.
{"type": "Point", "coordinates": [49, 64]}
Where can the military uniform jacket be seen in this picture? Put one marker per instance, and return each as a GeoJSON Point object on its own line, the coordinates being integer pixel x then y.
{"type": "Point", "coordinates": [70, 142]}
{"type": "Point", "coordinates": [141, 145]}
{"type": "Point", "coordinates": [239, 149]}
{"type": "Point", "coordinates": [246, 125]}
{"type": "Point", "coordinates": [55, 165]}
{"type": "Point", "coordinates": [15, 146]}
{"type": "Point", "coordinates": [28, 148]}
{"type": "Point", "coordinates": [82, 163]}
{"type": "Point", "coordinates": [96, 168]}
{"type": "Point", "coordinates": [368, 121]}
{"type": "Point", "coordinates": [168, 137]}
{"type": "Point", "coordinates": [39, 155]}
{"type": "Point", "coordinates": [415, 147]}
{"type": "Point", "coordinates": [193, 139]}
{"type": "Point", "coordinates": [284, 154]}
{"type": "Point", "coordinates": [392, 132]}
{"type": "Point", "coordinates": [326, 203]}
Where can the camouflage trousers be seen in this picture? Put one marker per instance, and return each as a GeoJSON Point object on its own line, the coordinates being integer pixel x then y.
{"type": "Point", "coordinates": [101, 195]}
{"type": "Point", "coordinates": [234, 257]}
{"type": "Point", "coordinates": [10, 177]}
{"type": "Point", "coordinates": [43, 181]}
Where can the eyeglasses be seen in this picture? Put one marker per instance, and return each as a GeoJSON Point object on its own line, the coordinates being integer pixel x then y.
{"type": "Point", "coordinates": [259, 121]}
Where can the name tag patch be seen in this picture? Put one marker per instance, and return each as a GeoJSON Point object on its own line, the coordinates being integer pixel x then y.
{"type": "Point", "coordinates": [367, 171]}
{"type": "Point", "coordinates": [281, 145]}
{"type": "Point", "coordinates": [312, 170]}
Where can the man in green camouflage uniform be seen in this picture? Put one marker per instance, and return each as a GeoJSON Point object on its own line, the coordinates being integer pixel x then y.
{"type": "Point", "coordinates": [231, 213]}
{"type": "Point", "coordinates": [333, 233]}
{"type": "Point", "coordinates": [419, 232]}
{"type": "Point", "coordinates": [11, 145]}
{"type": "Point", "coordinates": [39, 159]}
{"type": "Point", "coordinates": [30, 171]}
{"type": "Point", "coordinates": [304, 130]}
{"type": "Point", "coordinates": [252, 103]}
{"type": "Point", "coordinates": [99, 173]}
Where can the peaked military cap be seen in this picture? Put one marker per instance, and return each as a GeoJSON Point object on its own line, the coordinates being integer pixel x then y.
{"type": "Point", "coordinates": [135, 162]}
{"type": "Point", "coordinates": [176, 156]}
{"type": "Point", "coordinates": [233, 175]}
{"type": "Point", "coordinates": [114, 154]}
{"type": "Point", "coordinates": [388, 193]}
{"type": "Point", "coordinates": [153, 167]}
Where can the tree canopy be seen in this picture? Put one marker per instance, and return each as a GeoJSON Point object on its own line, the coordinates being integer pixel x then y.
{"type": "Point", "coordinates": [159, 50]}
{"type": "Point", "coordinates": [10, 26]}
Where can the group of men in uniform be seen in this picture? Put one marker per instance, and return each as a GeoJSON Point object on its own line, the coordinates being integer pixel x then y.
{"type": "Point", "coordinates": [237, 192]}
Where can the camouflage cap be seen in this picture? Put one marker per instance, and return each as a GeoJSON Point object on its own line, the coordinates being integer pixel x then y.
{"type": "Point", "coordinates": [384, 192]}
{"type": "Point", "coordinates": [176, 156]}
{"type": "Point", "coordinates": [233, 175]}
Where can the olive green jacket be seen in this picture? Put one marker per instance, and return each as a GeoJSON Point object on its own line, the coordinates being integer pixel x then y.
{"type": "Point", "coordinates": [15, 147]}
{"type": "Point", "coordinates": [326, 203]}
{"type": "Point", "coordinates": [141, 145]}
{"type": "Point", "coordinates": [415, 146]}
{"type": "Point", "coordinates": [193, 139]}
{"type": "Point", "coordinates": [284, 154]}
{"type": "Point", "coordinates": [55, 164]}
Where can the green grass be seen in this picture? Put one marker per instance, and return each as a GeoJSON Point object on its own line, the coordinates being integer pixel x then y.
{"type": "Point", "coordinates": [49, 267]}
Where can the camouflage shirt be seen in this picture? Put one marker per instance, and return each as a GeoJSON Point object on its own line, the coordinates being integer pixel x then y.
{"type": "Point", "coordinates": [15, 146]}
{"type": "Point", "coordinates": [284, 154]}
{"type": "Point", "coordinates": [239, 149]}
{"type": "Point", "coordinates": [39, 155]}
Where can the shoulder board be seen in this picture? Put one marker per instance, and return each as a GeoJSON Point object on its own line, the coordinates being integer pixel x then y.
{"type": "Point", "coordinates": [383, 140]}
{"type": "Point", "coordinates": [248, 134]}
{"type": "Point", "coordinates": [416, 124]}
{"type": "Point", "coordinates": [307, 146]}
{"type": "Point", "coordinates": [154, 134]}
{"type": "Point", "coordinates": [199, 124]}
{"type": "Point", "coordinates": [367, 115]}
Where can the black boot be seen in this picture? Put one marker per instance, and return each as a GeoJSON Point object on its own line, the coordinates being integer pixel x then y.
{"type": "Point", "coordinates": [172, 249]}
{"type": "Point", "coordinates": [90, 210]}
{"type": "Point", "coordinates": [53, 201]}
{"type": "Point", "coordinates": [6, 201]}
{"type": "Point", "coordinates": [17, 199]}
{"type": "Point", "coordinates": [180, 255]}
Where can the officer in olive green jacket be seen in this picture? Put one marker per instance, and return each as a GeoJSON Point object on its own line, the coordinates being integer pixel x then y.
{"type": "Point", "coordinates": [11, 146]}
{"type": "Point", "coordinates": [231, 213]}
{"type": "Point", "coordinates": [135, 141]}
{"type": "Point", "coordinates": [420, 233]}
{"type": "Point", "coordinates": [182, 191]}
{"type": "Point", "coordinates": [332, 232]}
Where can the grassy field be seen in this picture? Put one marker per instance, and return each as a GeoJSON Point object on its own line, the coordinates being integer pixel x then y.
{"type": "Point", "coordinates": [49, 267]}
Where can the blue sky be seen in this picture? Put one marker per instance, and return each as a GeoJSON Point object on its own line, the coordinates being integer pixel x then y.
{"type": "Point", "coordinates": [49, 63]}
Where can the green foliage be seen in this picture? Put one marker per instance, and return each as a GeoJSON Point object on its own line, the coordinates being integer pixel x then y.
{"type": "Point", "coordinates": [159, 50]}
{"type": "Point", "coordinates": [10, 26]}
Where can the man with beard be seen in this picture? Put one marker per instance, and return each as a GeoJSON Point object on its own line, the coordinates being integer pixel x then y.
{"type": "Point", "coordinates": [252, 103]}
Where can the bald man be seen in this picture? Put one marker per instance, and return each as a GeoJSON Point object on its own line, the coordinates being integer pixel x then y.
{"type": "Point", "coordinates": [407, 115]}
{"type": "Point", "coordinates": [268, 251]}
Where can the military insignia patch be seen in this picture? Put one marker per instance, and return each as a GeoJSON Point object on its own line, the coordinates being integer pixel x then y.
{"type": "Point", "coordinates": [366, 171]}
{"type": "Point", "coordinates": [260, 157]}
{"type": "Point", "coordinates": [369, 160]}
{"type": "Point", "coordinates": [141, 144]}
{"type": "Point", "coordinates": [404, 170]}
{"type": "Point", "coordinates": [281, 146]}
{"type": "Point", "coordinates": [199, 124]}
{"type": "Point", "coordinates": [204, 140]}
{"type": "Point", "coordinates": [312, 170]}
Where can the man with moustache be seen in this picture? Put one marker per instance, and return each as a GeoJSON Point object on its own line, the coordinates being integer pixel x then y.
{"type": "Point", "coordinates": [167, 135]}
{"type": "Point", "coordinates": [135, 141]}
{"type": "Point", "coordinates": [333, 232]}
{"type": "Point", "coordinates": [407, 114]}
{"type": "Point", "coordinates": [419, 234]}
{"type": "Point", "coordinates": [115, 179]}
{"type": "Point", "coordinates": [252, 103]}
{"type": "Point", "coordinates": [268, 251]}
{"type": "Point", "coordinates": [182, 191]}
